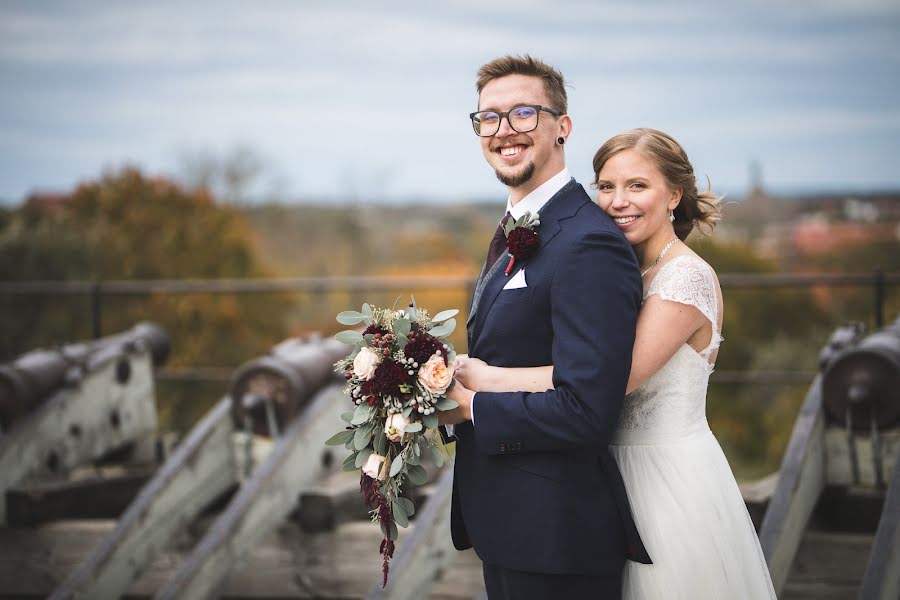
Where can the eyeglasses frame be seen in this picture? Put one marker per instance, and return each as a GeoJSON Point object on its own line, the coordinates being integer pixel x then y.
{"type": "Point", "coordinates": [505, 115]}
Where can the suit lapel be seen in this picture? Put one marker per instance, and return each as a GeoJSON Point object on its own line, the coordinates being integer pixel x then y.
{"type": "Point", "coordinates": [490, 284]}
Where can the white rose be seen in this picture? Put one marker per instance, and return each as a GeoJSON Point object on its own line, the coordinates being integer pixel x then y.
{"type": "Point", "coordinates": [395, 426]}
{"type": "Point", "coordinates": [365, 363]}
{"type": "Point", "coordinates": [373, 466]}
{"type": "Point", "coordinates": [434, 375]}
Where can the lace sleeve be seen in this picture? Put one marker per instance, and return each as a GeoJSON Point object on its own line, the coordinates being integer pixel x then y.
{"type": "Point", "coordinates": [688, 280]}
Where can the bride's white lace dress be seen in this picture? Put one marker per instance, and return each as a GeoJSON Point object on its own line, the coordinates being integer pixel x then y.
{"type": "Point", "coordinates": [683, 495]}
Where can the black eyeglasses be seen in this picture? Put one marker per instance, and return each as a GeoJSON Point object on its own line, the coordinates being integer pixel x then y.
{"type": "Point", "coordinates": [522, 119]}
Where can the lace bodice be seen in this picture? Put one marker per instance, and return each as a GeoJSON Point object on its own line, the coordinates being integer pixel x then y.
{"type": "Point", "coordinates": [672, 402]}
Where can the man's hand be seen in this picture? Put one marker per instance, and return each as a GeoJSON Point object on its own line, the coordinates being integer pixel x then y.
{"type": "Point", "coordinates": [462, 396]}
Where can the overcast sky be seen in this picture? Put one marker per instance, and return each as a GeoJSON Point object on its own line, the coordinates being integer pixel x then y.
{"type": "Point", "coordinates": [370, 99]}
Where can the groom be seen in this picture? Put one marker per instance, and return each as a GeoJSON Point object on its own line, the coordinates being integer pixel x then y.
{"type": "Point", "coordinates": [536, 491]}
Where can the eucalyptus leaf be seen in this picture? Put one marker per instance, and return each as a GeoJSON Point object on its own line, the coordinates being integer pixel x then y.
{"type": "Point", "coordinates": [361, 414]}
{"type": "Point", "coordinates": [396, 465]}
{"type": "Point", "coordinates": [362, 437]}
{"type": "Point", "coordinates": [413, 459]}
{"type": "Point", "coordinates": [400, 515]}
{"type": "Point", "coordinates": [444, 329]}
{"type": "Point", "coordinates": [412, 428]}
{"type": "Point", "coordinates": [402, 341]}
{"type": "Point", "coordinates": [390, 530]}
{"type": "Point", "coordinates": [444, 315]}
{"type": "Point", "coordinates": [341, 437]}
{"type": "Point", "coordinates": [381, 443]}
{"type": "Point", "coordinates": [362, 457]}
{"type": "Point", "coordinates": [349, 337]}
{"type": "Point", "coordinates": [402, 327]}
{"type": "Point", "coordinates": [417, 475]}
{"type": "Point", "coordinates": [350, 462]}
{"type": "Point", "coordinates": [446, 404]}
{"type": "Point", "coordinates": [350, 317]}
{"type": "Point", "coordinates": [407, 411]}
{"type": "Point", "coordinates": [416, 450]}
{"type": "Point", "coordinates": [366, 309]}
{"type": "Point", "coordinates": [408, 505]}
{"type": "Point", "coordinates": [437, 456]}
{"type": "Point", "coordinates": [347, 416]}
{"type": "Point", "coordinates": [430, 421]}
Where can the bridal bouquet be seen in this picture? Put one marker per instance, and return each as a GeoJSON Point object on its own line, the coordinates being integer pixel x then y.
{"type": "Point", "coordinates": [397, 376]}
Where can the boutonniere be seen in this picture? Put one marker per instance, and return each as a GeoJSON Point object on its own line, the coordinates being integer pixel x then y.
{"type": "Point", "coordinates": [521, 238]}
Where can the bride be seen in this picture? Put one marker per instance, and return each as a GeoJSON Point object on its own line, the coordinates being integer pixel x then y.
{"type": "Point", "coordinates": [683, 496]}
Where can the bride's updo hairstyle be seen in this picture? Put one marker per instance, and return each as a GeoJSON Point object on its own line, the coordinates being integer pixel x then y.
{"type": "Point", "coordinates": [696, 209]}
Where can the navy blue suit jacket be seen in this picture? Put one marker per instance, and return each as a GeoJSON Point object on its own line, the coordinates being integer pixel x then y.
{"type": "Point", "coordinates": [535, 487]}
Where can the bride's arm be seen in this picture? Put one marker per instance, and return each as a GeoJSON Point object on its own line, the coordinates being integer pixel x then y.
{"type": "Point", "coordinates": [662, 328]}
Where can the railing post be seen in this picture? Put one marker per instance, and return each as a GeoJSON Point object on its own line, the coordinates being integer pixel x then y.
{"type": "Point", "coordinates": [879, 299]}
{"type": "Point", "coordinates": [96, 310]}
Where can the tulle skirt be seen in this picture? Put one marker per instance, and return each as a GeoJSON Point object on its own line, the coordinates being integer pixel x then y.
{"type": "Point", "coordinates": [693, 521]}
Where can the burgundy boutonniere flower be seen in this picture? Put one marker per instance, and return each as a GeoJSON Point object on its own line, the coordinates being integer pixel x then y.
{"type": "Point", "coordinates": [521, 239]}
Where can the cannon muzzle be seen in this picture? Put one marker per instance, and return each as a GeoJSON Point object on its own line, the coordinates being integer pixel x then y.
{"type": "Point", "coordinates": [269, 391]}
{"type": "Point", "coordinates": [33, 377]}
{"type": "Point", "coordinates": [861, 381]}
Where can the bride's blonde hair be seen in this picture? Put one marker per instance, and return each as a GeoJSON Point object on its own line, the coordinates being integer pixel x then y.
{"type": "Point", "coordinates": [696, 209]}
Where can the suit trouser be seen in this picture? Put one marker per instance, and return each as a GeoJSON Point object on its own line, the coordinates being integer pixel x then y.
{"type": "Point", "coordinates": [506, 584]}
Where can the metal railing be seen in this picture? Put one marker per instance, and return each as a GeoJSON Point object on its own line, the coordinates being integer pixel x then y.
{"type": "Point", "coordinates": [97, 291]}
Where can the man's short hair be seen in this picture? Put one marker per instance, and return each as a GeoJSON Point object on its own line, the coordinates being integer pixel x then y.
{"type": "Point", "coordinates": [512, 64]}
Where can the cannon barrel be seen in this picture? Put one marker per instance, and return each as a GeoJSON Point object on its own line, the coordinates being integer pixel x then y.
{"type": "Point", "coordinates": [270, 390]}
{"type": "Point", "coordinates": [30, 379]}
{"type": "Point", "coordinates": [862, 381]}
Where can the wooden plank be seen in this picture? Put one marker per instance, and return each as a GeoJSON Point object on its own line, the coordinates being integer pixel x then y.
{"type": "Point", "coordinates": [201, 469]}
{"type": "Point", "coordinates": [288, 563]}
{"type": "Point", "coordinates": [831, 557]}
{"type": "Point", "coordinates": [801, 480]}
{"type": "Point", "coordinates": [103, 495]}
{"type": "Point", "coordinates": [425, 553]}
{"type": "Point", "coordinates": [264, 501]}
{"type": "Point", "coordinates": [882, 577]}
{"type": "Point", "coordinates": [80, 423]}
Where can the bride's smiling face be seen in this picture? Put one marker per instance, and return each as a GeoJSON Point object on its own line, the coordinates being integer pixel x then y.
{"type": "Point", "coordinates": [633, 191]}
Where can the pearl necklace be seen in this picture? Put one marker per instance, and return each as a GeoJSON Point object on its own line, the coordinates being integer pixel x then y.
{"type": "Point", "coordinates": [659, 258]}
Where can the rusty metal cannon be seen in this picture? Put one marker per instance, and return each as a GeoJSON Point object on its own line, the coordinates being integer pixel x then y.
{"type": "Point", "coordinates": [837, 498]}
{"type": "Point", "coordinates": [33, 378]}
{"type": "Point", "coordinates": [268, 392]}
{"type": "Point", "coordinates": [68, 407]}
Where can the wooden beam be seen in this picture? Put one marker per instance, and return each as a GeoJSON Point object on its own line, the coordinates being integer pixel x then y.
{"type": "Point", "coordinates": [264, 501]}
{"type": "Point", "coordinates": [882, 578]}
{"type": "Point", "coordinates": [201, 469]}
{"type": "Point", "coordinates": [81, 422]}
{"type": "Point", "coordinates": [801, 481]}
{"type": "Point", "coordinates": [425, 552]}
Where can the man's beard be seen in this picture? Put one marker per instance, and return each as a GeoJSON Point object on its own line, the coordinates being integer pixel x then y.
{"type": "Point", "coordinates": [517, 179]}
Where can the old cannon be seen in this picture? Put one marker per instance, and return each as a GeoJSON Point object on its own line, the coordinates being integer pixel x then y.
{"type": "Point", "coordinates": [68, 407]}
{"type": "Point", "coordinates": [32, 378]}
{"type": "Point", "coordinates": [837, 500]}
{"type": "Point", "coordinates": [267, 392]}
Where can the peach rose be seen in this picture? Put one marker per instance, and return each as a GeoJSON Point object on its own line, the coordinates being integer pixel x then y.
{"type": "Point", "coordinates": [395, 426]}
{"type": "Point", "coordinates": [374, 465]}
{"type": "Point", "coordinates": [365, 363]}
{"type": "Point", "coordinates": [434, 375]}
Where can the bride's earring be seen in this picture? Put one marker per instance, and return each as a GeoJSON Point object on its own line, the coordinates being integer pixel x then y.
{"type": "Point", "coordinates": [672, 216]}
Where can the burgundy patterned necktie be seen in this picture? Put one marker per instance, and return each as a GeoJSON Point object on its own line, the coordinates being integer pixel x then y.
{"type": "Point", "coordinates": [498, 243]}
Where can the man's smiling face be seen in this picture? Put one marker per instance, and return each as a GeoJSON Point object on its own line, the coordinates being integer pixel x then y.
{"type": "Point", "coordinates": [522, 161]}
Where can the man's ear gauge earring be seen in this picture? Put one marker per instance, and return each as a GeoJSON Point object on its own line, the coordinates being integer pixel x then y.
{"type": "Point", "coordinates": [560, 140]}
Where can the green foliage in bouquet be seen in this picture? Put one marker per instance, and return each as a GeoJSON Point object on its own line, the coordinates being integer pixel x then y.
{"type": "Point", "coordinates": [398, 374]}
